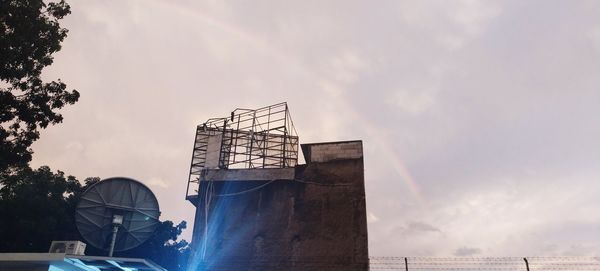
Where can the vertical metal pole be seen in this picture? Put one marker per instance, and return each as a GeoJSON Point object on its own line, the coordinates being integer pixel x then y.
{"type": "Point", "coordinates": [266, 149]}
{"type": "Point", "coordinates": [237, 135]}
{"type": "Point", "coordinates": [406, 263]}
{"type": "Point", "coordinates": [230, 151]}
{"type": "Point", "coordinates": [285, 134]}
{"type": "Point", "coordinates": [113, 240]}
{"type": "Point", "coordinates": [251, 140]}
{"type": "Point", "coordinates": [526, 263]}
{"type": "Point", "coordinates": [222, 164]}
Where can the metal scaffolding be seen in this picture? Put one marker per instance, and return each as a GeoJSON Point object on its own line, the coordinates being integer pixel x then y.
{"type": "Point", "coordinates": [248, 138]}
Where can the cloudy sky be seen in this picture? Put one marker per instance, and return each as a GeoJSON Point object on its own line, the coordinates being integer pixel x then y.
{"type": "Point", "coordinates": [480, 119]}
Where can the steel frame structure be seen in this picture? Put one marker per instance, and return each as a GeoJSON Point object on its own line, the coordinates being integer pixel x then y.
{"type": "Point", "coordinates": [250, 138]}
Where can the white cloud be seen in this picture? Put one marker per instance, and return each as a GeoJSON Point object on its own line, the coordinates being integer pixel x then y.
{"type": "Point", "coordinates": [412, 102]}
{"type": "Point", "coordinates": [154, 181]}
{"type": "Point", "coordinates": [347, 66]}
{"type": "Point", "coordinates": [594, 36]}
{"type": "Point", "coordinates": [467, 251]}
{"type": "Point", "coordinates": [372, 218]}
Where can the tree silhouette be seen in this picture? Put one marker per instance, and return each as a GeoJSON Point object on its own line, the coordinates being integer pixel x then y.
{"type": "Point", "coordinates": [38, 206]}
{"type": "Point", "coordinates": [29, 35]}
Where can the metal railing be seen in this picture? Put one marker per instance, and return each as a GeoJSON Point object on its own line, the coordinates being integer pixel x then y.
{"type": "Point", "coordinates": [249, 138]}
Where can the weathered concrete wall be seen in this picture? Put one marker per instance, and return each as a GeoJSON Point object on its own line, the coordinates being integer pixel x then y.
{"type": "Point", "coordinates": [324, 152]}
{"type": "Point", "coordinates": [315, 221]}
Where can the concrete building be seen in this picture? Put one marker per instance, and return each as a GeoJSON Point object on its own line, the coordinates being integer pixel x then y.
{"type": "Point", "coordinates": [277, 215]}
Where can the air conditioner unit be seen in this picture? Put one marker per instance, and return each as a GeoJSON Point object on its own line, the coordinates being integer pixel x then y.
{"type": "Point", "coordinates": [68, 247]}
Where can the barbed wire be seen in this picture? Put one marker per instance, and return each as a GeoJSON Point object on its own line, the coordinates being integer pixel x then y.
{"type": "Point", "coordinates": [558, 258]}
{"type": "Point", "coordinates": [478, 269]}
{"type": "Point", "coordinates": [485, 263]}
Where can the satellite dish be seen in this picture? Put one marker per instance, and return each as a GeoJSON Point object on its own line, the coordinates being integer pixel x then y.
{"type": "Point", "coordinates": [117, 214]}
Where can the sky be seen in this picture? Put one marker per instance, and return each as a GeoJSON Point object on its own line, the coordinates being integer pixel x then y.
{"type": "Point", "coordinates": [479, 119]}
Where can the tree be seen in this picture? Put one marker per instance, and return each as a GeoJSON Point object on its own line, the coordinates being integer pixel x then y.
{"type": "Point", "coordinates": [29, 35]}
{"type": "Point", "coordinates": [36, 206]}
{"type": "Point", "coordinates": [40, 205]}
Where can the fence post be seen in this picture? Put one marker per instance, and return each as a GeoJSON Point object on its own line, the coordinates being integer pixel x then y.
{"type": "Point", "coordinates": [526, 263]}
{"type": "Point", "coordinates": [406, 263]}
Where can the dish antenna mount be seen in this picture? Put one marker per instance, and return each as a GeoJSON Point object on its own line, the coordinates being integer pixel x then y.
{"type": "Point", "coordinates": [117, 214]}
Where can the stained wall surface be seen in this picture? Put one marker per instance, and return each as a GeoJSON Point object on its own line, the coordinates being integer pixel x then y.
{"type": "Point", "coordinates": [315, 220]}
